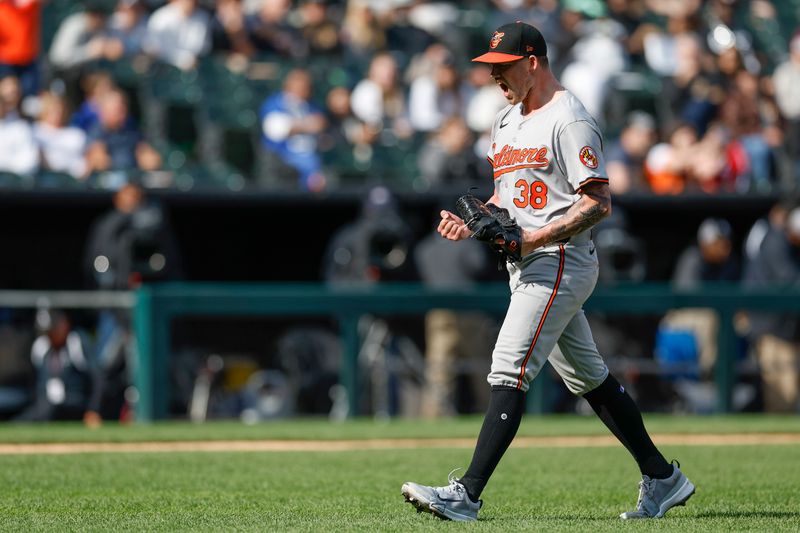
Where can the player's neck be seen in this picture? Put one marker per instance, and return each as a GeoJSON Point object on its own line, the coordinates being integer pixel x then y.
{"type": "Point", "coordinates": [543, 93]}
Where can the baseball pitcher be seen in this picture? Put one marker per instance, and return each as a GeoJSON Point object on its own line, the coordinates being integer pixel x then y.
{"type": "Point", "coordinates": [550, 189]}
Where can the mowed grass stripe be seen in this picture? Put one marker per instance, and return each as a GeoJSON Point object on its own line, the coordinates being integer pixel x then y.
{"type": "Point", "coordinates": [322, 429]}
{"type": "Point", "coordinates": [739, 488]}
{"type": "Point", "coordinates": [384, 444]}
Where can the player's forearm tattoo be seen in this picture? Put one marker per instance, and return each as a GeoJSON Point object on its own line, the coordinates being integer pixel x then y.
{"type": "Point", "coordinates": [593, 207]}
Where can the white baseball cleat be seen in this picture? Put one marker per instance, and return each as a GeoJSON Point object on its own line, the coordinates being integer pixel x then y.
{"type": "Point", "coordinates": [657, 496]}
{"type": "Point", "coordinates": [450, 502]}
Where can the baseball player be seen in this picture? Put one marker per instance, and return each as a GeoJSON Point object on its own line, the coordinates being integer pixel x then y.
{"type": "Point", "coordinates": [550, 189]}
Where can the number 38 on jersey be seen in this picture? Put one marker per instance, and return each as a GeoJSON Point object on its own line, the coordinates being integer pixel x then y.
{"type": "Point", "coordinates": [531, 193]}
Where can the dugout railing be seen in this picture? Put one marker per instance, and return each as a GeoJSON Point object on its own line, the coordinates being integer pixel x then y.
{"type": "Point", "coordinates": [158, 304]}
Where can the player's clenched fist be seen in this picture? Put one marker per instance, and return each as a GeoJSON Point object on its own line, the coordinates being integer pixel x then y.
{"type": "Point", "coordinates": [452, 227]}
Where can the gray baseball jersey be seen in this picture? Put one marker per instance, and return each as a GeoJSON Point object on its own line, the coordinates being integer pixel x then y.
{"type": "Point", "coordinates": [540, 164]}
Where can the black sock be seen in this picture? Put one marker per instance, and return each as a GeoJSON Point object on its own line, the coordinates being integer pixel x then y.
{"type": "Point", "coordinates": [506, 406]}
{"type": "Point", "coordinates": [620, 414]}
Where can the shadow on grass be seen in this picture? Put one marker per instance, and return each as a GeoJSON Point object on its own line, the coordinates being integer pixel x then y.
{"type": "Point", "coordinates": [749, 514]}
{"type": "Point", "coordinates": [547, 518]}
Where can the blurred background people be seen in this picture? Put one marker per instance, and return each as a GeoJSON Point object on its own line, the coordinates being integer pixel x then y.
{"type": "Point", "coordinates": [375, 247]}
{"type": "Point", "coordinates": [20, 42]}
{"type": "Point", "coordinates": [710, 260]}
{"type": "Point", "coordinates": [457, 343]}
{"type": "Point", "coordinates": [115, 143]}
{"type": "Point", "coordinates": [130, 244]}
{"type": "Point", "coordinates": [786, 79]}
{"type": "Point", "coordinates": [66, 380]}
{"type": "Point", "coordinates": [448, 159]}
{"type": "Point", "coordinates": [179, 34]}
{"type": "Point", "coordinates": [62, 146]}
{"type": "Point", "coordinates": [777, 335]}
{"type": "Point", "coordinates": [378, 99]}
{"type": "Point", "coordinates": [625, 157]}
{"type": "Point", "coordinates": [19, 153]}
{"type": "Point", "coordinates": [83, 37]}
{"type": "Point", "coordinates": [291, 125]}
{"type": "Point", "coordinates": [127, 25]}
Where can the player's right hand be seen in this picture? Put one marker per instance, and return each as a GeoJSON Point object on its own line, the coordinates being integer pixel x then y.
{"type": "Point", "coordinates": [452, 227]}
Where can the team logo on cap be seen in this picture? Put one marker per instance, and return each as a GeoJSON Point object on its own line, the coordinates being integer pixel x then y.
{"type": "Point", "coordinates": [496, 38]}
{"type": "Point", "coordinates": [588, 157]}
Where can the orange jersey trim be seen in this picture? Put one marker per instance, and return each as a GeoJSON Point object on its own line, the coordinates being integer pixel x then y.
{"type": "Point", "coordinates": [498, 173]}
{"type": "Point", "coordinates": [544, 315]}
{"type": "Point", "coordinates": [586, 182]}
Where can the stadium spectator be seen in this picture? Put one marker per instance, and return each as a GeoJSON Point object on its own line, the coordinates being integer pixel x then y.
{"type": "Point", "coordinates": [774, 221]}
{"type": "Point", "coordinates": [625, 157]}
{"type": "Point", "coordinates": [319, 27]}
{"type": "Point", "coordinates": [345, 139]}
{"type": "Point", "coordinates": [448, 159]}
{"type": "Point", "coordinates": [18, 151]}
{"type": "Point", "coordinates": [229, 29]}
{"type": "Point", "coordinates": [62, 146]}
{"type": "Point", "coordinates": [179, 34]}
{"type": "Point", "coordinates": [20, 28]}
{"type": "Point", "coordinates": [128, 26]}
{"type": "Point", "coordinates": [83, 37]}
{"type": "Point", "coordinates": [404, 39]}
{"type": "Point", "coordinates": [115, 143]}
{"type": "Point", "coordinates": [128, 245]}
{"type": "Point", "coordinates": [362, 35]}
{"type": "Point", "coordinates": [11, 96]}
{"type": "Point", "coordinates": [271, 33]}
{"type": "Point", "coordinates": [290, 128]}
{"type": "Point", "coordinates": [710, 260]}
{"type": "Point", "coordinates": [666, 164]}
{"type": "Point", "coordinates": [746, 114]}
{"type": "Point", "coordinates": [455, 341]}
{"type": "Point", "coordinates": [373, 248]}
{"type": "Point", "coordinates": [787, 79]}
{"type": "Point", "coordinates": [712, 167]}
{"type": "Point", "coordinates": [691, 90]}
{"type": "Point", "coordinates": [777, 335]}
{"type": "Point", "coordinates": [95, 86]}
{"type": "Point", "coordinates": [378, 99]}
{"type": "Point", "coordinates": [589, 79]}
{"type": "Point", "coordinates": [437, 93]}
{"type": "Point", "coordinates": [66, 380]}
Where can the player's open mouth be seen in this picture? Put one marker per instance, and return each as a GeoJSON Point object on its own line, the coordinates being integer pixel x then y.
{"type": "Point", "coordinates": [503, 87]}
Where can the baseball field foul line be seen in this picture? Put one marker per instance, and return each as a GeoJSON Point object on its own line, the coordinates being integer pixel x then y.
{"type": "Point", "coordinates": [733, 439]}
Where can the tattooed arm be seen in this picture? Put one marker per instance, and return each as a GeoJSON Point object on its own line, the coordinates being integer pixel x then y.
{"type": "Point", "coordinates": [592, 207]}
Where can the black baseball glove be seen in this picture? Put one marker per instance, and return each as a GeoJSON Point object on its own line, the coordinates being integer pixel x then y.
{"type": "Point", "coordinates": [489, 223]}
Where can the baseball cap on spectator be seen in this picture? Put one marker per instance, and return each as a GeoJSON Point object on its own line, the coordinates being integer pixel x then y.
{"type": "Point", "coordinates": [712, 230]}
{"type": "Point", "coordinates": [513, 41]}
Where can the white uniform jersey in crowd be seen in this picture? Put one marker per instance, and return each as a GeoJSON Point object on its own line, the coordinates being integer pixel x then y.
{"type": "Point", "coordinates": [541, 162]}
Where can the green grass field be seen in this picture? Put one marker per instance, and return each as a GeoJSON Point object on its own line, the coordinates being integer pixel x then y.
{"type": "Point", "coordinates": [739, 488]}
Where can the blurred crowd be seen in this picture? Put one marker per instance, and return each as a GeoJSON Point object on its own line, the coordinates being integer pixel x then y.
{"type": "Point", "coordinates": [320, 95]}
{"type": "Point", "coordinates": [694, 96]}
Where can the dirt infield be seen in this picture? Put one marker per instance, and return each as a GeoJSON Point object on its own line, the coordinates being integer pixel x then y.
{"type": "Point", "coordinates": [734, 439]}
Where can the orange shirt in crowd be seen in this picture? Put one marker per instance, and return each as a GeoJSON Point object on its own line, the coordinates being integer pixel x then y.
{"type": "Point", "coordinates": [19, 31]}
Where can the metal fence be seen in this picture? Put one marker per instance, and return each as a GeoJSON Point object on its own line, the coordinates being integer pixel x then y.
{"type": "Point", "coordinates": [158, 304]}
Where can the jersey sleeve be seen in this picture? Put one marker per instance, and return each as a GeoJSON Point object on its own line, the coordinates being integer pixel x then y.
{"type": "Point", "coordinates": [580, 153]}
